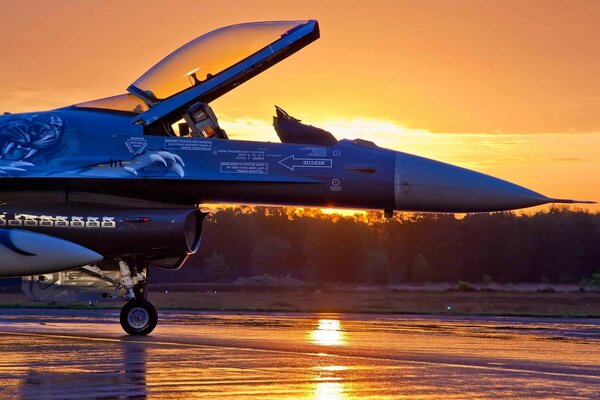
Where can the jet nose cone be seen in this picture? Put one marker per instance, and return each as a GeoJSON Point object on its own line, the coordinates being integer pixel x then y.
{"type": "Point", "coordinates": [427, 185]}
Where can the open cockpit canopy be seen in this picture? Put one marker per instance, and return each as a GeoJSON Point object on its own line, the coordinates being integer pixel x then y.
{"type": "Point", "coordinates": [179, 87]}
{"type": "Point", "coordinates": [215, 63]}
{"type": "Point", "coordinates": [208, 55]}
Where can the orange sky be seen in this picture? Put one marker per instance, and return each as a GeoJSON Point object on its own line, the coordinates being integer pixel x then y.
{"type": "Point", "coordinates": [509, 88]}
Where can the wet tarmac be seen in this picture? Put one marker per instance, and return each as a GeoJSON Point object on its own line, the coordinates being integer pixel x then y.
{"type": "Point", "coordinates": [75, 354]}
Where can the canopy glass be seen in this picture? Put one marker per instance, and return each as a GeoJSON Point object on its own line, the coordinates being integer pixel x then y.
{"type": "Point", "coordinates": [208, 55]}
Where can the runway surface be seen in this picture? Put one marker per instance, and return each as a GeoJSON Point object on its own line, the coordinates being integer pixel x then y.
{"type": "Point", "coordinates": [74, 354]}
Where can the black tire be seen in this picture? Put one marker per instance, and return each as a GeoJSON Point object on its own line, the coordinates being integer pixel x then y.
{"type": "Point", "coordinates": [138, 317]}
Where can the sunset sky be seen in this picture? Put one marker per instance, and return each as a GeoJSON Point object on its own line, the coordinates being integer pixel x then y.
{"type": "Point", "coordinates": [509, 88]}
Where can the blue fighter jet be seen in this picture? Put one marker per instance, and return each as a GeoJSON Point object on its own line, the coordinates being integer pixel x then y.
{"type": "Point", "coordinates": [93, 194]}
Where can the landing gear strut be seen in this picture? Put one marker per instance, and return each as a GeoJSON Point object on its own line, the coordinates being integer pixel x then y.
{"type": "Point", "coordinates": [138, 315]}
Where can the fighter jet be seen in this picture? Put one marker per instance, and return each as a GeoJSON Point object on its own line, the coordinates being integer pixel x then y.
{"type": "Point", "coordinates": [93, 194]}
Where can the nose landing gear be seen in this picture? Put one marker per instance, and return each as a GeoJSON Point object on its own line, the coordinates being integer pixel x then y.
{"type": "Point", "coordinates": [138, 316]}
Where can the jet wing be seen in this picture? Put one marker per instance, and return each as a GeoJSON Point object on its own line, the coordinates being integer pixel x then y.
{"type": "Point", "coordinates": [215, 63]}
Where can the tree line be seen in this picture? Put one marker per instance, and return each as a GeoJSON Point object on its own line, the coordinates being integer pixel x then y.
{"type": "Point", "coordinates": [559, 245]}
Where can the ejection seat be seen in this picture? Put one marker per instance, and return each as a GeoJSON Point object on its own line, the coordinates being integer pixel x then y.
{"type": "Point", "coordinates": [291, 130]}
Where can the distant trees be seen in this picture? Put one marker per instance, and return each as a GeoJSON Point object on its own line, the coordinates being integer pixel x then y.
{"type": "Point", "coordinates": [378, 269]}
{"type": "Point", "coordinates": [421, 271]}
{"type": "Point", "coordinates": [270, 255]}
{"type": "Point", "coordinates": [216, 266]}
{"type": "Point", "coordinates": [559, 245]}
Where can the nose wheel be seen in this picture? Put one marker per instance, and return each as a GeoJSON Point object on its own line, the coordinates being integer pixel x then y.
{"type": "Point", "coordinates": [138, 317]}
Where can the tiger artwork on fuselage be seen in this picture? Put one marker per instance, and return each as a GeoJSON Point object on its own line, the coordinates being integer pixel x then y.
{"type": "Point", "coordinates": [27, 140]}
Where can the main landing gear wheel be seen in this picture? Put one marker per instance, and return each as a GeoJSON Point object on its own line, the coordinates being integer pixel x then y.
{"type": "Point", "coordinates": [138, 317]}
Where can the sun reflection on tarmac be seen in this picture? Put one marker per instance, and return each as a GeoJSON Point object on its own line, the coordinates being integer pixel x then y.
{"type": "Point", "coordinates": [328, 333]}
{"type": "Point", "coordinates": [329, 383]}
{"type": "Point", "coordinates": [329, 391]}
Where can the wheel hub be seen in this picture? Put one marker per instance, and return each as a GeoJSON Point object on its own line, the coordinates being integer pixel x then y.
{"type": "Point", "coordinates": [138, 318]}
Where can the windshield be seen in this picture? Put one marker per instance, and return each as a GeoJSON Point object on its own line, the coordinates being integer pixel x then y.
{"type": "Point", "coordinates": [210, 54]}
{"type": "Point", "coordinates": [123, 102]}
